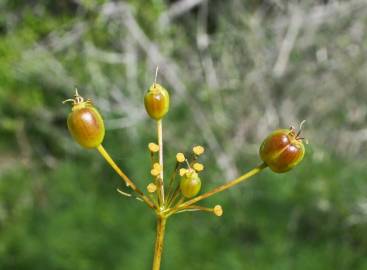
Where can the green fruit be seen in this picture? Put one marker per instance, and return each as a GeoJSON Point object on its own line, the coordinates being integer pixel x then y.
{"type": "Point", "coordinates": [85, 123]}
{"type": "Point", "coordinates": [190, 184]}
{"type": "Point", "coordinates": [156, 101]}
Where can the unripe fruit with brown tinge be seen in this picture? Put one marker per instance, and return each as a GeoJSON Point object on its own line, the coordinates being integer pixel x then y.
{"type": "Point", "coordinates": [85, 123]}
{"type": "Point", "coordinates": [190, 184]}
{"type": "Point", "coordinates": [282, 150]}
{"type": "Point", "coordinates": [156, 101]}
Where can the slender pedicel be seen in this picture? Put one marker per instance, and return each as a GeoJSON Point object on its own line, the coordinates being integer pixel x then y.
{"type": "Point", "coordinates": [87, 128]}
{"type": "Point", "coordinates": [221, 188]}
{"type": "Point", "coordinates": [124, 177]}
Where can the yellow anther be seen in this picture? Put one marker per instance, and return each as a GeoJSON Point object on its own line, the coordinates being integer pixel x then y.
{"type": "Point", "coordinates": [155, 172]}
{"type": "Point", "coordinates": [151, 188]}
{"type": "Point", "coordinates": [180, 157]}
{"type": "Point", "coordinates": [157, 166]}
{"type": "Point", "coordinates": [183, 171]}
{"type": "Point", "coordinates": [198, 150]}
{"type": "Point", "coordinates": [198, 167]}
{"type": "Point", "coordinates": [218, 210]}
{"type": "Point", "coordinates": [153, 147]}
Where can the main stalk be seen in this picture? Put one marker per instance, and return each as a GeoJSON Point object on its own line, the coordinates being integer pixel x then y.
{"type": "Point", "coordinates": [159, 242]}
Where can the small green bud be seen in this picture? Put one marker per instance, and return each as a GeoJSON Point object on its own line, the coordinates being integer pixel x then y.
{"type": "Point", "coordinates": [190, 184]}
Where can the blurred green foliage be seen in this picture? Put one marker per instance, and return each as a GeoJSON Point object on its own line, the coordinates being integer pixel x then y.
{"type": "Point", "coordinates": [247, 67]}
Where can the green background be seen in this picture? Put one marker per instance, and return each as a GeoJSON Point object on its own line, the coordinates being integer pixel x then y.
{"type": "Point", "coordinates": [235, 70]}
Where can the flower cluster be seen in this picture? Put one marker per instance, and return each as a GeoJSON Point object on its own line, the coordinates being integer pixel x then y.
{"type": "Point", "coordinates": [281, 151]}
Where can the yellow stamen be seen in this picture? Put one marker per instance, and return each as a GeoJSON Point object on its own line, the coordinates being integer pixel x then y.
{"type": "Point", "coordinates": [218, 210]}
{"type": "Point", "coordinates": [198, 150]}
{"type": "Point", "coordinates": [152, 188]}
{"type": "Point", "coordinates": [180, 157]}
{"type": "Point", "coordinates": [153, 147]}
{"type": "Point", "coordinates": [183, 171]}
{"type": "Point", "coordinates": [157, 166]}
{"type": "Point", "coordinates": [198, 167]}
{"type": "Point", "coordinates": [155, 172]}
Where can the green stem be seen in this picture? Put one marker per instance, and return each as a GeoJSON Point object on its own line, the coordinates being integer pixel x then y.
{"type": "Point", "coordinates": [161, 227]}
{"type": "Point", "coordinates": [160, 143]}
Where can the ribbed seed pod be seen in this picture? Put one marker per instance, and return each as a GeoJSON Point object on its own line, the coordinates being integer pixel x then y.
{"type": "Point", "coordinates": [85, 123]}
{"type": "Point", "coordinates": [156, 101]}
{"type": "Point", "coordinates": [282, 150]}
